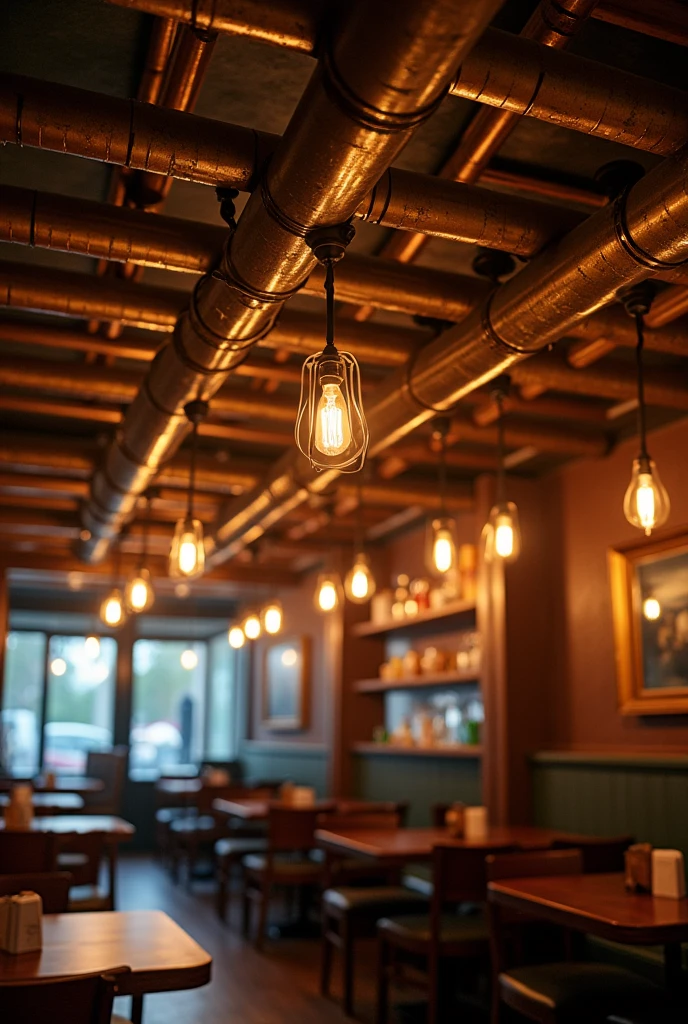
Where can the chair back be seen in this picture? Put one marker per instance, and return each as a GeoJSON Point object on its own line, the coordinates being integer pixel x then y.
{"type": "Point", "coordinates": [110, 767]}
{"type": "Point", "coordinates": [459, 874]}
{"type": "Point", "coordinates": [291, 829]}
{"type": "Point", "coordinates": [82, 854]}
{"type": "Point", "coordinates": [360, 808]}
{"type": "Point", "coordinates": [26, 851]}
{"type": "Point", "coordinates": [601, 855]}
{"type": "Point", "coordinates": [378, 819]}
{"type": "Point", "coordinates": [77, 1000]}
{"type": "Point", "coordinates": [51, 886]}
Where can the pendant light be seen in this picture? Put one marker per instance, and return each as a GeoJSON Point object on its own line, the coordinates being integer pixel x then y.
{"type": "Point", "coordinates": [440, 544]}
{"type": "Point", "coordinates": [503, 532]}
{"type": "Point", "coordinates": [138, 593]}
{"type": "Point", "coordinates": [331, 430]}
{"type": "Point", "coordinates": [252, 626]}
{"type": "Point", "coordinates": [327, 592]}
{"type": "Point", "coordinates": [236, 637]}
{"type": "Point", "coordinates": [646, 502]}
{"type": "Point", "coordinates": [273, 617]}
{"type": "Point", "coordinates": [359, 582]}
{"type": "Point", "coordinates": [113, 612]}
{"type": "Point", "coordinates": [187, 554]}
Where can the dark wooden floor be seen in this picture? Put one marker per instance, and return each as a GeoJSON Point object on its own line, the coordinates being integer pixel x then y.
{"type": "Point", "coordinates": [279, 986]}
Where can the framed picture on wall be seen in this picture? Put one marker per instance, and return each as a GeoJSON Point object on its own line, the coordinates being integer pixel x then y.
{"type": "Point", "coordinates": [649, 584]}
{"type": "Point", "coordinates": [286, 684]}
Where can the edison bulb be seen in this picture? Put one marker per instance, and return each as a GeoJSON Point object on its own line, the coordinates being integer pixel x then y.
{"type": "Point", "coordinates": [272, 618]}
{"type": "Point", "coordinates": [188, 659]}
{"type": "Point", "coordinates": [327, 592]}
{"type": "Point", "coordinates": [442, 553]}
{"type": "Point", "coordinates": [652, 609]}
{"type": "Point", "coordinates": [504, 532]}
{"type": "Point", "coordinates": [332, 426]}
{"type": "Point", "coordinates": [138, 593]}
{"type": "Point", "coordinates": [360, 582]}
{"type": "Point", "coordinates": [646, 502]}
{"type": "Point", "coordinates": [112, 611]}
{"type": "Point", "coordinates": [252, 627]}
{"type": "Point", "coordinates": [504, 538]}
{"type": "Point", "coordinates": [236, 637]}
{"type": "Point", "coordinates": [58, 666]}
{"type": "Point", "coordinates": [187, 554]}
{"type": "Point", "coordinates": [92, 647]}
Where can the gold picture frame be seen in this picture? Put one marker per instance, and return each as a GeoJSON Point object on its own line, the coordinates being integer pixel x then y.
{"type": "Point", "coordinates": [286, 684]}
{"type": "Point", "coordinates": [649, 587]}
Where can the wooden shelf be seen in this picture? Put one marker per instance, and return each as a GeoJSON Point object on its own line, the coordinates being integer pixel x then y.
{"type": "Point", "coordinates": [398, 625]}
{"type": "Point", "coordinates": [391, 750]}
{"type": "Point", "coordinates": [416, 682]}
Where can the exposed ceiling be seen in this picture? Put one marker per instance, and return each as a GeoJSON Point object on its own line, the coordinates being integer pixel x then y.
{"type": "Point", "coordinates": [64, 398]}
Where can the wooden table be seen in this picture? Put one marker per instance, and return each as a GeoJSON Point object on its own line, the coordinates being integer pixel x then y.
{"type": "Point", "coordinates": [400, 845]}
{"type": "Point", "coordinates": [82, 785]}
{"type": "Point", "coordinates": [599, 905]}
{"type": "Point", "coordinates": [258, 810]}
{"type": "Point", "coordinates": [51, 803]}
{"type": "Point", "coordinates": [162, 957]}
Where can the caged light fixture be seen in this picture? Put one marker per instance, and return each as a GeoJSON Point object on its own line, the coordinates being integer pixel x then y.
{"type": "Point", "coordinates": [441, 546]}
{"type": "Point", "coordinates": [502, 531]}
{"type": "Point", "coordinates": [187, 554]}
{"type": "Point", "coordinates": [331, 430]}
{"type": "Point", "coordinates": [138, 593]}
{"type": "Point", "coordinates": [646, 502]}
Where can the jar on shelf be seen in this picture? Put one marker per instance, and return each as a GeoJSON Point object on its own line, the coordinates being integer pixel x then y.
{"type": "Point", "coordinates": [381, 606]}
{"type": "Point", "coordinates": [420, 592]}
{"type": "Point", "coordinates": [411, 663]}
{"type": "Point", "coordinates": [432, 661]}
{"type": "Point", "coordinates": [468, 571]}
{"type": "Point", "coordinates": [401, 596]}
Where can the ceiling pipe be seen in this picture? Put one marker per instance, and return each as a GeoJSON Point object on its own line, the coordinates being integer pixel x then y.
{"type": "Point", "coordinates": [376, 84]}
{"type": "Point", "coordinates": [559, 440]}
{"type": "Point", "coordinates": [646, 229]}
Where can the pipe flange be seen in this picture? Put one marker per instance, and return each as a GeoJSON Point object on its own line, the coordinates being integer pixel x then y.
{"type": "Point", "coordinates": [631, 247]}
{"type": "Point", "coordinates": [637, 299]}
{"type": "Point", "coordinates": [329, 243]}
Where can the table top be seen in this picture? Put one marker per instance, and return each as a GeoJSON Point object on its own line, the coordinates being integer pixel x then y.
{"type": "Point", "coordinates": [117, 829]}
{"type": "Point", "coordinates": [162, 957]}
{"type": "Point", "coordinates": [257, 810]}
{"type": "Point", "coordinates": [82, 785]}
{"type": "Point", "coordinates": [598, 905]}
{"type": "Point", "coordinates": [403, 844]}
{"type": "Point", "coordinates": [56, 801]}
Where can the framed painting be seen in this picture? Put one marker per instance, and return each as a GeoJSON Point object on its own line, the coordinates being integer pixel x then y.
{"type": "Point", "coordinates": [286, 684]}
{"type": "Point", "coordinates": [649, 584]}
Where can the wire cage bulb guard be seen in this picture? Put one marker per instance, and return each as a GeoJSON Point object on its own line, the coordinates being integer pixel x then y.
{"type": "Point", "coordinates": [359, 583]}
{"type": "Point", "coordinates": [331, 429]}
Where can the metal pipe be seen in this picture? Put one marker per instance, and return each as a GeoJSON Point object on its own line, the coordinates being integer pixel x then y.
{"type": "Point", "coordinates": [160, 43]}
{"type": "Point", "coordinates": [645, 230]}
{"type": "Point", "coordinates": [667, 306]}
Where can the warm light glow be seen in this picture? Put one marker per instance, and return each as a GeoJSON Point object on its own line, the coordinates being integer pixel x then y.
{"type": "Point", "coordinates": [58, 666]}
{"type": "Point", "coordinates": [236, 637]}
{"type": "Point", "coordinates": [187, 554]}
{"type": "Point", "coordinates": [92, 647]}
{"type": "Point", "coordinates": [182, 590]}
{"type": "Point", "coordinates": [272, 618]}
{"type": "Point", "coordinates": [503, 533]}
{"type": "Point", "coordinates": [189, 659]}
{"type": "Point", "coordinates": [252, 627]}
{"type": "Point", "coordinates": [443, 549]}
{"type": "Point", "coordinates": [646, 502]}
{"type": "Point", "coordinates": [289, 657]}
{"type": "Point", "coordinates": [332, 427]}
{"type": "Point", "coordinates": [504, 538]}
{"type": "Point", "coordinates": [138, 593]}
{"type": "Point", "coordinates": [359, 584]}
{"type": "Point", "coordinates": [652, 609]}
{"type": "Point", "coordinates": [112, 611]}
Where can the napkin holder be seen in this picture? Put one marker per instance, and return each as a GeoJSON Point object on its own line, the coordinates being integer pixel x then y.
{"type": "Point", "coordinates": [21, 923]}
{"type": "Point", "coordinates": [668, 874]}
{"type": "Point", "coordinates": [638, 861]}
{"type": "Point", "coordinates": [475, 823]}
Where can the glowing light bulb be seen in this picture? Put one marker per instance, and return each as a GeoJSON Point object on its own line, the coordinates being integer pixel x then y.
{"type": "Point", "coordinates": [187, 554]}
{"type": "Point", "coordinates": [112, 611]}
{"type": "Point", "coordinates": [188, 659]}
{"type": "Point", "coordinates": [272, 618]}
{"type": "Point", "coordinates": [236, 637]}
{"type": "Point", "coordinates": [652, 609]}
{"type": "Point", "coordinates": [646, 502]}
{"type": "Point", "coordinates": [359, 584]}
{"type": "Point", "coordinates": [327, 592]}
{"type": "Point", "coordinates": [92, 647]}
{"type": "Point", "coordinates": [504, 539]}
{"type": "Point", "coordinates": [138, 593]}
{"type": "Point", "coordinates": [252, 627]}
{"type": "Point", "coordinates": [442, 557]}
{"type": "Point", "coordinates": [58, 666]}
{"type": "Point", "coordinates": [503, 533]}
{"type": "Point", "coordinates": [332, 427]}
{"type": "Point", "coordinates": [289, 657]}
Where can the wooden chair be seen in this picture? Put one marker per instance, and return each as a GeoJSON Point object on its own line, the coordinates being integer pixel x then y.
{"type": "Point", "coordinates": [82, 855]}
{"type": "Point", "coordinates": [51, 886]}
{"type": "Point", "coordinates": [22, 852]}
{"type": "Point", "coordinates": [361, 808]}
{"type": "Point", "coordinates": [459, 877]}
{"type": "Point", "coordinates": [554, 993]}
{"type": "Point", "coordinates": [286, 862]}
{"type": "Point", "coordinates": [81, 1000]}
{"type": "Point", "coordinates": [600, 854]}
{"type": "Point", "coordinates": [111, 768]}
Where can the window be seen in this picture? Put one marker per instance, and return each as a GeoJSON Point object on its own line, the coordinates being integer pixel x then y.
{"type": "Point", "coordinates": [80, 701]}
{"type": "Point", "coordinates": [222, 715]}
{"type": "Point", "coordinates": [20, 736]}
{"type": "Point", "coordinates": [168, 705]}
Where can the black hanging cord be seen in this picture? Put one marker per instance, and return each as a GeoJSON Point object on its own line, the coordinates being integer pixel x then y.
{"type": "Point", "coordinates": [329, 292]}
{"type": "Point", "coordinates": [443, 475]}
{"type": "Point", "coordinates": [501, 480]}
{"type": "Point", "coordinates": [196, 411]}
{"type": "Point", "coordinates": [642, 430]}
{"type": "Point", "coordinates": [358, 542]}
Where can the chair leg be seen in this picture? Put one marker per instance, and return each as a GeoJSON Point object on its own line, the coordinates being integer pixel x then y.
{"type": "Point", "coordinates": [326, 952]}
{"type": "Point", "coordinates": [246, 913]}
{"type": "Point", "coordinates": [348, 967]}
{"type": "Point", "coordinates": [262, 917]}
{"type": "Point", "coordinates": [382, 982]}
{"type": "Point", "coordinates": [223, 870]}
{"type": "Point", "coordinates": [191, 854]}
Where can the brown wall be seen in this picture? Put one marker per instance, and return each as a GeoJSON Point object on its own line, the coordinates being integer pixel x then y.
{"type": "Point", "coordinates": [588, 496]}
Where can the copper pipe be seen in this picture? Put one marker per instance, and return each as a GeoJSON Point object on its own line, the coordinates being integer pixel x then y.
{"type": "Point", "coordinates": [560, 191]}
{"type": "Point", "coordinates": [159, 45]}
{"type": "Point", "coordinates": [610, 327]}
{"type": "Point", "coordinates": [530, 311]}
{"type": "Point", "coordinates": [667, 306]}
{"type": "Point", "coordinates": [664, 19]}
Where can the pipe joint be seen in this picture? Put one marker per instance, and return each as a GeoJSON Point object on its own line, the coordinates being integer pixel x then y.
{"type": "Point", "coordinates": [631, 247]}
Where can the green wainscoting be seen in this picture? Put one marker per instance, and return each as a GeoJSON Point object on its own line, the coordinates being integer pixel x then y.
{"type": "Point", "coordinates": [644, 795]}
{"type": "Point", "coordinates": [305, 764]}
{"type": "Point", "coordinates": [422, 781]}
